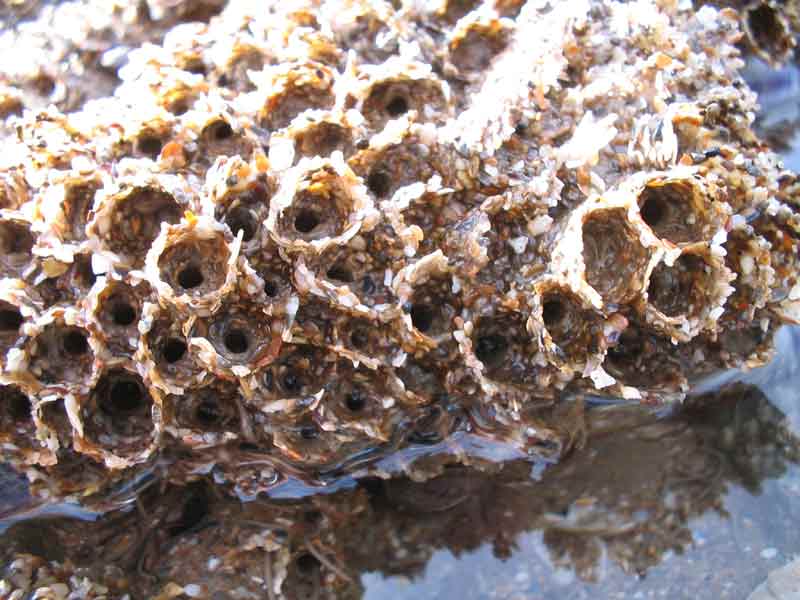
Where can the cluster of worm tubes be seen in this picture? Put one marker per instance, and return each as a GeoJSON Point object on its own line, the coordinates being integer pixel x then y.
{"type": "Point", "coordinates": [298, 242]}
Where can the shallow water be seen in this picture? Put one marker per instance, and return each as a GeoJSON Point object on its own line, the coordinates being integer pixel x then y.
{"type": "Point", "coordinates": [778, 120]}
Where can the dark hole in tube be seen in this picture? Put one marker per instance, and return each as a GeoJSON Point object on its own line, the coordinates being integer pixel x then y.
{"type": "Point", "coordinates": [552, 312]}
{"type": "Point", "coordinates": [19, 406]}
{"type": "Point", "coordinates": [174, 350]}
{"type": "Point", "coordinates": [654, 209]}
{"type": "Point", "coordinates": [378, 182]}
{"type": "Point", "coordinates": [397, 106]}
{"type": "Point", "coordinates": [355, 401]}
{"type": "Point", "coordinates": [190, 277]}
{"type": "Point", "coordinates": [125, 396]}
{"type": "Point", "coordinates": [44, 84]}
{"type": "Point", "coordinates": [490, 349]}
{"type": "Point", "coordinates": [422, 317]}
{"type": "Point", "coordinates": [306, 563]}
{"type": "Point", "coordinates": [340, 273]}
{"type": "Point", "coordinates": [208, 412]}
{"type": "Point", "coordinates": [179, 107]}
{"type": "Point", "coordinates": [194, 511]}
{"type": "Point", "coordinates": [242, 219]}
{"type": "Point", "coordinates": [123, 314]}
{"type": "Point", "coordinates": [309, 432]}
{"type": "Point", "coordinates": [10, 320]}
{"type": "Point", "coordinates": [367, 285]}
{"type": "Point", "coordinates": [150, 146]}
{"type": "Point", "coordinates": [292, 383]}
{"type": "Point", "coordinates": [236, 341]}
{"type": "Point", "coordinates": [221, 131]}
{"type": "Point", "coordinates": [75, 343]}
{"type": "Point", "coordinates": [198, 68]}
{"type": "Point", "coordinates": [270, 288]}
{"type": "Point", "coordinates": [629, 346]}
{"type": "Point", "coordinates": [360, 337]}
{"type": "Point", "coordinates": [15, 239]}
{"type": "Point", "coordinates": [306, 221]}
{"type": "Point", "coordinates": [764, 25]}
{"type": "Point", "coordinates": [312, 517]}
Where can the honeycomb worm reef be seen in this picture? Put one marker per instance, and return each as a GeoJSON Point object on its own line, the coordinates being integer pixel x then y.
{"type": "Point", "coordinates": [292, 238]}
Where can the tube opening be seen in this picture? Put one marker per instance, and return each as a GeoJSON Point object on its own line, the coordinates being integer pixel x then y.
{"type": "Point", "coordinates": [292, 382]}
{"type": "Point", "coordinates": [675, 290]}
{"type": "Point", "coordinates": [15, 238]}
{"type": "Point", "coordinates": [355, 401]}
{"type": "Point", "coordinates": [309, 432]}
{"type": "Point", "coordinates": [306, 221]}
{"type": "Point", "coordinates": [123, 314]}
{"type": "Point", "coordinates": [125, 396]}
{"type": "Point", "coordinates": [19, 405]}
{"type": "Point", "coordinates": [137, 221]}
{"type": "Point", "coordinates": [669, 210]}
{"type": "Point", "coordinates": [306, 563]}
{"type": "Point", "coordinates": [190, 277]}
{"type": "Point", "coordinates": [16, 244]}
{"type": "Point", "coordinates": [241, 219]}
{"type": "Point", "coordinates": [654, 210]}
{"type": "Point", "coordinates": [767, 31]}
{"type": "Point", "coordinates": [553, 313]}
{"type": "Point", "coordinates": [220, 130]}
{"type": "Point", "coordinates": [208, 412]}
{"type": "Point", "coordinates": [11, 320]}
{"type": "Point", "coordinates": [75, 343]}
{"type": "Point", "coordinates": [236, 341]}
{"type": "Point", "coordinates": [397, 106]}
{"type": "Point", "coordinates": [491, 349]}
{"type": "Point", "coordinates": [379, 182]}
{"type": "Point", "coordinates": [118, 416]}
{"type": "Point", "coordinates": [340, 272]}
{"type": "Point", "coordinates": [359, 337]}
{"type": "Point", "coordinates": [174, 350]}
{"type": "Point", "coordinates": [271, 288]}
{"type": "Point", "coordinates": [615, 259]}
{"type": "Point", "coordinates": [322, 139]}
{"type": "Point", "coordinates": [422, 317]}
{"type": "Point", "coordinates": [149, 145]}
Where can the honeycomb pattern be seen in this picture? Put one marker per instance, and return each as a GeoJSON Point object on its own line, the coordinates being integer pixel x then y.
{"type": "Point", "coordinates": [320, 233]}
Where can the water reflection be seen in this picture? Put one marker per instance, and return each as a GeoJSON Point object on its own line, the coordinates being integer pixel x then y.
{"type": "Point", "coordinates": [625, 502]}
{"type": "Point", "coordinates": [778, 121]}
